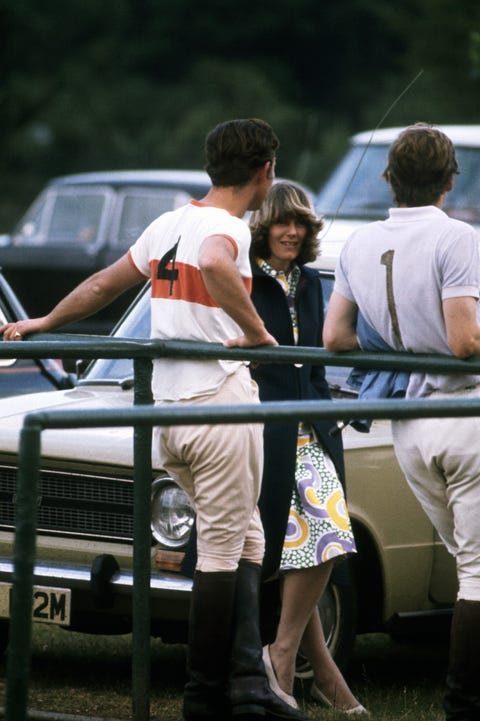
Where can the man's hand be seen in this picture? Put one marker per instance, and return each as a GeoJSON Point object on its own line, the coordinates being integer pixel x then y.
{"type": "Point", "coordinates": [244, 341]}
{"type": "Point", "coordinates": [21, 328]}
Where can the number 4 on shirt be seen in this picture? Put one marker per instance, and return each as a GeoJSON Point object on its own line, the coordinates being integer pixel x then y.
{"type": "Point", "coordinates": [164, 273]}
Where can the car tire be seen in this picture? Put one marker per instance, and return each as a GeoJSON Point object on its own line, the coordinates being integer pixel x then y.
{"type": "Point", "coordinates": [339, 615]}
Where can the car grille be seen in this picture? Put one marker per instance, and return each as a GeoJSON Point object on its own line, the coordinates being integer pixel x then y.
{"type": "Point", "coordinates": [74, 504]}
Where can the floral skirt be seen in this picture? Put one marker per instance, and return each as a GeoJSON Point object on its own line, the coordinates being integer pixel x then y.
{"type": "Point", "coordinates": [318, 527]}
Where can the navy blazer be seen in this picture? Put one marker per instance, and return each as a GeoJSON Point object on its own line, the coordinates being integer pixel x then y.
{"type": "Point", "coordinates": [282, 381]}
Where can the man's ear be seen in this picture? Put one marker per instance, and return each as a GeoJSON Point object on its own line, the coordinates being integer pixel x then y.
{"type": "Point", "coordinates": [449, 184]}
{"type": "Point", "coordinates": [269, 168]}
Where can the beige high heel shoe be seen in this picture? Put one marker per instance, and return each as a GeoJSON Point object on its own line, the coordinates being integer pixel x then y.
{"type": "Point", "coordinates": [317, 695]}
{"type": "Point", "coordinates": [272, 680]}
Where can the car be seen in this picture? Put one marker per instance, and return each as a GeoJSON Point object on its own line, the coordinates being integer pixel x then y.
{"type": "Point", "coordinates": [19, 375]}
{"type": "Point", "coordinates": [81, 223]}
{"type": "Point", "coordinates": [402, 571]}
{"type": "Point", "coordinates": [356, 193]}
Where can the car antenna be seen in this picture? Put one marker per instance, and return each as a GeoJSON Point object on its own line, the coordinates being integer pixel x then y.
{"type": "Point", "coordinates": [382, 119]}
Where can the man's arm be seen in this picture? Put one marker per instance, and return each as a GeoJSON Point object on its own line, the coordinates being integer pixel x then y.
{"type": "Point", "coordinates": [92, 295]}
{"type": "Point", "coordinates": [339, 329]}
{"type": "Point", "coordinates": [463, 331]}
{"type": "Point", "coordinates": [225, 285]}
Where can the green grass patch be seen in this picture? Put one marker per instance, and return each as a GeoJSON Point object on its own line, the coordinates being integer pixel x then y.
{"type": "Point", "coordinates": [75, 673]}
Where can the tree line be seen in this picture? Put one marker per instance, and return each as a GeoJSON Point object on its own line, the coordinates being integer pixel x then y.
{"type": "Point", "coordinates": [138, 83]}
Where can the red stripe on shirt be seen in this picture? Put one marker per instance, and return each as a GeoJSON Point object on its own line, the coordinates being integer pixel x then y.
{"type": "Point", "coordinates": [188, 285]}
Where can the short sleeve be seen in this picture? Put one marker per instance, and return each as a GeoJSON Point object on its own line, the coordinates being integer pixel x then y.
{"type": "Point", "coordinates": [342, 285]}
{"type": "Point", "coordinates": [460, 266]}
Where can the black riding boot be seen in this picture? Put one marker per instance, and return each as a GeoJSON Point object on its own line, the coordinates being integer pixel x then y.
{"type": "Point", "coordinates": [209, 647]}
{"type": "Point", "coordinates": [462, 697]}
{"type": "Point", "coordinates": [250, 694]}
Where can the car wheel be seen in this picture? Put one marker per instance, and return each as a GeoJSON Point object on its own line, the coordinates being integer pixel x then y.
{"type": "Point", "coordinates": [338, 613]}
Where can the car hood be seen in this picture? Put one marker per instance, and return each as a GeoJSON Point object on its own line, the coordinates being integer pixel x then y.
{"type": "Point", "coordinates": [104, 445]}
{"type": "Point", "coordinates": [110, 446]}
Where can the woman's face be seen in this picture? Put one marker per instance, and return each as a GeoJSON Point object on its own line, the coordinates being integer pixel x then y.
{"type": "Point", "coordinates": [285, 241]}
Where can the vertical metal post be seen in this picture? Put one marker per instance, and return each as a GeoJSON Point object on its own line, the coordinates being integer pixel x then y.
{"type": "Point", "coordinates": [142, 478]}
{"type": "Point", "coordinates": [20, 632]}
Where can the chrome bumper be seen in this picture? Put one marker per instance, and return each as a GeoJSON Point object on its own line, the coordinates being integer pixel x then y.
{"type": "Point", "coordinates": [162, 584]}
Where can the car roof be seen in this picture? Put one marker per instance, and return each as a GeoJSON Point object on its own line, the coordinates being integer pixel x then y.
{"type": "Point", "coordinates": [184, 179]}
{"type": "Point", "coordinates": [468, 135]}
{"type": "Point", "coordinates": [136, 177]}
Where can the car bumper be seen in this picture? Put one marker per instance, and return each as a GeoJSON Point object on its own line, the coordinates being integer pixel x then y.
{"type": "Point", "coordinates": [162, 584]}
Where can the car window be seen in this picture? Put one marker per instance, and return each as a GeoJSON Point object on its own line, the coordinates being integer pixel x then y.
{"type": "Point", "coordinates": [137, 208]}
{"type": "Point", "coordinates": [463, 202]}
{"type": "Point", "coordinates": [76, 218]}
{"type": "Point", "coordinates": [28, 229]}
{"type": "Point", "coordinates": [135, 324]}
{"type": "Point", "coordinates": [357, 188]}
{"type": "Point", "coordinates": [62, 215]}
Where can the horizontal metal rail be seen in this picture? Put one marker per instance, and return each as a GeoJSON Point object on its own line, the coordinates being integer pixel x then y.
{"type": "Point", "coordinates": [87, 347]}
{"type": "Point", "coordinates": [248, 413]}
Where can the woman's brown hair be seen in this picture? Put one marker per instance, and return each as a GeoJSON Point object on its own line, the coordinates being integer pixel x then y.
{"type": "Point", "coordinates": [285, 202]}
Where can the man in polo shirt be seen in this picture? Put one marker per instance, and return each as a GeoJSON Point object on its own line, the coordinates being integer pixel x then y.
{"type": "Point", "coordinates": [415, 279]}
{"type": "Point", "coordinates": [197, 260]}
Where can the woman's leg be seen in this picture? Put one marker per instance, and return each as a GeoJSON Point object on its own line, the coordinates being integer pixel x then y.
{"type": "Point", "coordinates": [301, 590]}
{"type": "Point", "coordinates": [300, 624]}
{"type": "Point", "coordinates": [328, 677]}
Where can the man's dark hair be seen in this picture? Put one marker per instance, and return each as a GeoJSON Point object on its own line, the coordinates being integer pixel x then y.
{"type": "Point", "coordinates": [421, 163]}
{"type": "Point", "coordinates": [236, 149]}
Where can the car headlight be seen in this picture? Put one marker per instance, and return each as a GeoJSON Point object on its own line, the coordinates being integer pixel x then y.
{"type": "Point", "coordinates": [172, 513]}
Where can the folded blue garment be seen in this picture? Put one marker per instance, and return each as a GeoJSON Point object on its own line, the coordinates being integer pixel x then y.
{"type": "Point", "coordinates": [374, 384]}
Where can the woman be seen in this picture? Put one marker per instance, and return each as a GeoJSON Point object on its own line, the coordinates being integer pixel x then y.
{"type": "Point", "coordinates": [306, 523]}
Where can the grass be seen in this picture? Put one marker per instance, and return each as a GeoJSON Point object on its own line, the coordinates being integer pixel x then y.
{"type": "Point", "coordinates": [91, 676]}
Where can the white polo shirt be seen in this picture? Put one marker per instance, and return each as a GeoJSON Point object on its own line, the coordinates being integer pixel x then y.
{"type": "Point", "coordinates": [167, 253]}
{"type": "Point", "coordinates": [398, 272]}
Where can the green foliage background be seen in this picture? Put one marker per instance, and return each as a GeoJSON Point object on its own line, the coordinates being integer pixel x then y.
{"type": "Point", "coordinates": [138, 83]}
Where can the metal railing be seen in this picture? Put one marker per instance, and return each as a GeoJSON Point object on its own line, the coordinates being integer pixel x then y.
{"type": "Point", "coordinates": [143, 418]}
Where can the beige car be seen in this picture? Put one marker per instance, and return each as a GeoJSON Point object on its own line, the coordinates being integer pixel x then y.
{"type": "Point", "coordinates": [83, 572]}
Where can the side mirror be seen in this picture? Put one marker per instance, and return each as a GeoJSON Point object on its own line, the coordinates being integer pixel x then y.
{"type": "Point", "coordinates": [77, 367]}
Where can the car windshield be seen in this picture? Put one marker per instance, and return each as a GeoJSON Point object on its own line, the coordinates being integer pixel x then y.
{"type": "Point", "coordinates": [357, 189]}
{"type": "Point", "coordinates": [139, 206]}
{"type": "Point", "coordinates": [63, 215]}
{"type": "Point", "coordinates": [136, 324]}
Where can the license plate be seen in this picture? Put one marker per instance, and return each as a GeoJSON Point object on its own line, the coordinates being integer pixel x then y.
{"type": "Point", "coordinates": [50, 604]}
